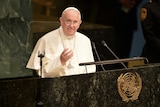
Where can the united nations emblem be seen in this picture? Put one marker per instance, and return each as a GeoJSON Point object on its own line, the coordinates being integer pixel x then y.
{"type": "Point", "coordinates": [129, 86]}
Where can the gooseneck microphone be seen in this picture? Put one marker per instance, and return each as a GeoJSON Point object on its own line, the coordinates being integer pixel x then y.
{"type": "Point", "coordinates": [94, 47]}
{"type": "Point", "coordinates": [104, 44]}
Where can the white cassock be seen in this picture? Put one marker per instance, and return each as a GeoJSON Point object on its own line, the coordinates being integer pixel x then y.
{"type": "Point", "coordinates": [52, 44]}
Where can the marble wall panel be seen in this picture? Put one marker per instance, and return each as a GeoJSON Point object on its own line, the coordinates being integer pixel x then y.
{"type": "Point", "coordinates": [15, 18]}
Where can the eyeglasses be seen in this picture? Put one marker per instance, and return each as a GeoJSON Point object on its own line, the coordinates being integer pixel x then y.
{"type": "Point", "coordinates": [69, 22]}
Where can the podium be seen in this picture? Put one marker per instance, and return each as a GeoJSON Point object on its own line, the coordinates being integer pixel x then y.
{"type": "Point", "coordinates": [100, 89]}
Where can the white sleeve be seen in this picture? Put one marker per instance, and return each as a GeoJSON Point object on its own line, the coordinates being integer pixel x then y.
{"type": "Point", "coordinates": [53, 67]}
{"type": "Point", "coordinates": [51, 62]}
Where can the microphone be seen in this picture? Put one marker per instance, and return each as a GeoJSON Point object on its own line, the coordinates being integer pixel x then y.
{"type": "Point", "coordinates": [104, 44]}
{"type": "Point", "coordinates": [94, 47]}
{"type": "Point", "coordinates": [41, 55]}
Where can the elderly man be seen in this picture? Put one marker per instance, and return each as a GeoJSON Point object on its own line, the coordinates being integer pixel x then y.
{"type": "Point", "coordinates": [64, 49]}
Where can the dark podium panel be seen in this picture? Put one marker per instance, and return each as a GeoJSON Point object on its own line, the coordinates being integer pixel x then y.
{"type": "Point", "coordinates": [18, 92]}
{"type": "Point", "coordinates": [99, 89]}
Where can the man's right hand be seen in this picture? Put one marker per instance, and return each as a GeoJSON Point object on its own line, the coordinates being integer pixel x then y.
{"type": "Point", "coordinates": [66, 55]}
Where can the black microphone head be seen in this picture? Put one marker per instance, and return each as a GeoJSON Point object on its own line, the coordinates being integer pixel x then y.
{"type": "Point", "coordinates": [93, 44]}
{"type": "Point", "coordinates": [103, 43]}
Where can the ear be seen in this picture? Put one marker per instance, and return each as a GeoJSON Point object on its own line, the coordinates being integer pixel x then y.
{"type": "Point", "coordinates": [60, 19]}
{"type": "Point", "coordinates": [80, 21]}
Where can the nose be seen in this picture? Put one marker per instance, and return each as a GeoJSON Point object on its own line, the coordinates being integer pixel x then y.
{"type": "Point", "coordinates": [71, 24]}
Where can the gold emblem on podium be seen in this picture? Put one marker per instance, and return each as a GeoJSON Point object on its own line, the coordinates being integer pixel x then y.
{"type": "Point", "coordinates": [129, 86]}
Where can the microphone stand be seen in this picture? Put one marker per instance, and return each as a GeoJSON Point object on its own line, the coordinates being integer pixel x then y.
{"type": "Point", "coordinates": [39, 99]}
{"type": "Point", "coordinates": [98, 57]}
{"type": "Point", "coordinates": [104, 44]}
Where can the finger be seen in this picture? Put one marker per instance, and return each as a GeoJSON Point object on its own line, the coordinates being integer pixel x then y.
{"type": "Point", "coordinates": [64, 51]}
{"type": "Point", "coordinates": [67, 52]}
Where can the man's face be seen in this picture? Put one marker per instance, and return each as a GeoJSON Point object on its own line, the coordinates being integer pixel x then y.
{"type": "Point", "coordinates": [70, 22]}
